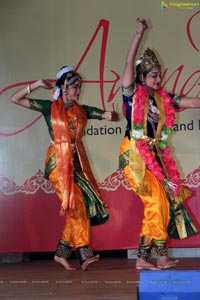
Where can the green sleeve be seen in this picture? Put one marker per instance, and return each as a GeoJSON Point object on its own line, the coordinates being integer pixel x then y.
{"type": "Point", "coordinates": [40, 105]}
{"type": "Point", "coordinates": [44, 107]}
{"type": "Point", "coordinates": [93, 112]}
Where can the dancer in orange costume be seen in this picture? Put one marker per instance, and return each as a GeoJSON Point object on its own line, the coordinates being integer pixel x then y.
{"type": "Point", "coordinates": [145, 155]}
{"type": "Point", "coordinates": [67, 165]}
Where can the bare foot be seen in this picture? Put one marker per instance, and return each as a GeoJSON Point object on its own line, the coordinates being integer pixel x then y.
{"type": "Point", "coordinates": [145, 265]}
{"type": "Point", "coordinates": [64, 263]}
{"type": "Point", "coordinates": [164, 262]}
{"type": "Point", "coordinates": [89, 261]}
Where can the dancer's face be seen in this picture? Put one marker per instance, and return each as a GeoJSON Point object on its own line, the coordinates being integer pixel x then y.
{"type": "Point", "coordinates": [71, 93]}
{"type": "Point", "coordinates": [152, 80]}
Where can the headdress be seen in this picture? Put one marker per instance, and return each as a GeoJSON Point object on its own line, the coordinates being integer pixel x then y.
{"type": "Point", "coordinates": [147, 61]}
{"type": "Point", "coordinates": [70, 77]}
{"type": "Point", "coordinates": [63, 71]}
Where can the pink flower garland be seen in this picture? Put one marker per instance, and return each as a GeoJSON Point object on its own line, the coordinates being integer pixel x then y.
{"type": "Point", "coordinates": [142, 144]}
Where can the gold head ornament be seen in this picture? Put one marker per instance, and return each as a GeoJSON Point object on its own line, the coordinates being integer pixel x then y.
{"type": "Point", "coordinates": [147, 61]}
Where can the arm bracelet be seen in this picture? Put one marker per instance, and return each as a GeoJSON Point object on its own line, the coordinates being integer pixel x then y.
{"type": "Point", "coordinates": [176, 102]}
{"type": "Point", "coordinates": [28, 89]}
{"type": "Point", "coordinates": [138, 35]}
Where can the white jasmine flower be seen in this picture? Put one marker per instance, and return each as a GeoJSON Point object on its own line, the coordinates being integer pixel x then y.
{"type": "Point", "coordinates": [164, 136]}
{"type": "Point", "coordinates": [137, 134]}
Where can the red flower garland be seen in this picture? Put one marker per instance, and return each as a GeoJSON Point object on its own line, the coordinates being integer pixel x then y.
{"type": "Point", "coordinates": [142, 145]}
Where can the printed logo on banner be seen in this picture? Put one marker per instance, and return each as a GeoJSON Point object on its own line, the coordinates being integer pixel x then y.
{"type": "Point", "coordinates": [181, 5]}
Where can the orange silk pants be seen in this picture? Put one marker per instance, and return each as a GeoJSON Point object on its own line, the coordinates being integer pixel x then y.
{"type": "Point", "coordinates": [76, 231]}
{"type": "Point", "coordinates": [156, 205]}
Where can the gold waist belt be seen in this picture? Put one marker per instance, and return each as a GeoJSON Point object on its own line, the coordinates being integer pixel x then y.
{"type": "Point", "coordinates": [150, 141]}
{"type": "Point", "coordinates": [72, 142]}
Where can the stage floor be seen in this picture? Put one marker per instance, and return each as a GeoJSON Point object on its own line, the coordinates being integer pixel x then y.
{"type": "Point", "coordinates": [109, 279]}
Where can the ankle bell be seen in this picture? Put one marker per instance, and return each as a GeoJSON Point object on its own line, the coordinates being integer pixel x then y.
{"type": "Point", "coordinates": [84, 253]}
{"type": "Point", "coordinates": [63, 250]}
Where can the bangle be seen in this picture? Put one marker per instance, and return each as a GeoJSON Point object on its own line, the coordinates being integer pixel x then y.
{"type": "Point", "coordinates": [28, 88]}
{"type": "Point", "coordinates": [138, 35]}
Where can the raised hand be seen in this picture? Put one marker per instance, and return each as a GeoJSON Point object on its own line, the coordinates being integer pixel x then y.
{"type": "Point", "coordinates": [45, 83]}
{"type": "Point", "coordinates": [141, 25]}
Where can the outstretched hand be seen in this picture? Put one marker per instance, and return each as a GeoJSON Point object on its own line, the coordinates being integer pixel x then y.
{"type": "Point", "coordinates": [111, 116]}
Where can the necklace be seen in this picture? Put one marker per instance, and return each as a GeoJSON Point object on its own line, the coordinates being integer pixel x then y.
{"type": "Point", "coordinates": [172, 180]}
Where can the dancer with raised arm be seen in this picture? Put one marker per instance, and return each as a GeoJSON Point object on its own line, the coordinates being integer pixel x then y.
{"type": "Point", "coordinates": [145, 154]}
